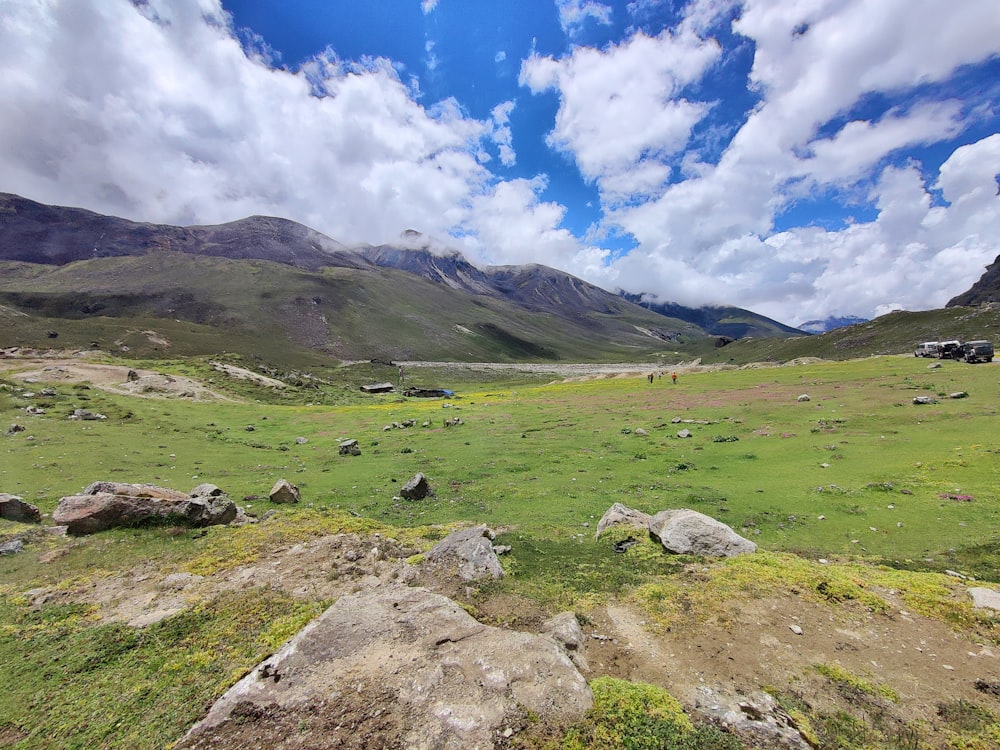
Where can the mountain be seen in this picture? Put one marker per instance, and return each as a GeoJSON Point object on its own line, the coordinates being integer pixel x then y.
{"type": "Point", "coordinates": [721, 320]}
{"type": "Point", "coordinates": [984, 291]}
{"type": "Point", "coordinates": [263, 283]}
{"type": "Point", "coordinates": [831, 323]}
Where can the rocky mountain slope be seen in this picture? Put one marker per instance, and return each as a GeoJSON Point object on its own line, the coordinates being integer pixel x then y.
{"type": "Point", "coordinates": [984, 291]}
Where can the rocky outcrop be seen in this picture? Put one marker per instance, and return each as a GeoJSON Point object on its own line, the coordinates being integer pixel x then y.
{"type": "Point", "coordinates": [106, 505]}
{"type": "Point", "coordinates": [13, 508]}
{"type": "Point", "coordinates": [452, 682]}
{"type": "Point", "coordinates": [470, 552]}
{"type": "Point", "coordinates": [688, 532]}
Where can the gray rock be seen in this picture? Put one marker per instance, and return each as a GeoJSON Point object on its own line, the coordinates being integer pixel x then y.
{"type": "Point", "coordinates": [470, 551]}
{"type": "Point", "coordinates": [984, 598]}
{"type": "Point", "coordinates": [566, 631]}
{"type": "Point", "coordinates": [804, 397]}
{"type": "Point", "coordinates": [284, 491]}
{"type": "Point", "coordinates": [13, 508]}
{"type": "Point", "coordinates": [452, 683]}
{"type": "Point", "coordinates": [757, 718]}
{"type": "Point", "coordinates": [959, 394]}
{"type": "Point", "coordinates": [620, 514]}
{"type": "Point", "coordinates": [684, 434]}
{"type": "Point", "coordinates": [106, 505]}
{"type": "Point", "coordinates": [12, 547]}
{"type": "Point", "coordinates": [206, 490]}
{"type": "Point", "coordinates": [919, 400]}
{"type": "Point", "coordinates": [416, 489]}
{"type": "Point", "coordinates": [688, 532]}
{"type": "Point", "coordinates": [349, 448]}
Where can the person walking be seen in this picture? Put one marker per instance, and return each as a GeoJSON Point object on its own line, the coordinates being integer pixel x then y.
{"type": "Point", "coordinates": [673, 377]}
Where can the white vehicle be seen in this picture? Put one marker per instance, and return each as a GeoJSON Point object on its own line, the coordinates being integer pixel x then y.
{"type": "Point", "coordinates": [927, 349]}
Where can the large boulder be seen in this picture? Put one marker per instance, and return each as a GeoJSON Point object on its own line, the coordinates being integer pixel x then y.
{"type": "Point", "coordinates": [13, 508]}
{"type": "Point", "coordinates": [688, 532]}
{"type": "Point", "coordinates": [470, 551]}
{"type": "Point", "coordinates": [449, 682]}
{"type": "Point", "coordinates": [619, 514]}
{"type": "Point", "coordinates": [106, 505]}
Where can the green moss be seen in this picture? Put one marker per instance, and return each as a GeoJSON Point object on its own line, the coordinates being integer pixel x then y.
{"type": "Point", "coordinates": [845, 679]}
{"type": "Point", "coordinates": [638, 716]}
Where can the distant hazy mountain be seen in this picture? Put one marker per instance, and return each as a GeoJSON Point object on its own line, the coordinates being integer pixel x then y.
{"type": "Point", "coordinates": [719, 320]}
{"type": "Point", "coordinates": [986, 290]}
{"type": "Point", "coordinates": [830, 324]}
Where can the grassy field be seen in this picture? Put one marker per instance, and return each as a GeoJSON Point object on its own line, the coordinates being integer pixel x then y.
{"type": "Point", "coordinates": [856, 472]}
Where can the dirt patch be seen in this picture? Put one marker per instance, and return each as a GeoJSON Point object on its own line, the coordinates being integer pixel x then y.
{"type": "Point", "coordinates": [118, 379]}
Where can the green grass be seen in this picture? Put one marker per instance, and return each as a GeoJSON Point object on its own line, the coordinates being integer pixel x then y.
{"type": "Point", "coordinates": [892, 492]}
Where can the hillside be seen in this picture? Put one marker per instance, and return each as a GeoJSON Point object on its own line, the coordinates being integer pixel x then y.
{"type": "Point", "coordinates": [985, 291]}
{"type": "Point", "coordinates": [268, 286]}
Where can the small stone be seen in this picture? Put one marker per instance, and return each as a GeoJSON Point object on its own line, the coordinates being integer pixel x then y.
{"type": "Point", "coordinates": [795, 629]}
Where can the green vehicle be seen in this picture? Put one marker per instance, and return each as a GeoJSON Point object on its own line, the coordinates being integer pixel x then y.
{"type": "Point", "coordinates": [977, 351]}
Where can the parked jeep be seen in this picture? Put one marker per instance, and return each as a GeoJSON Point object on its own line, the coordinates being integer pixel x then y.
{"type": "Point", "coordinates": [950, 350]}
{"type": "Point", "coordinates": [927, 349]}
{"type": "Point", "coordinates": [978, 351]}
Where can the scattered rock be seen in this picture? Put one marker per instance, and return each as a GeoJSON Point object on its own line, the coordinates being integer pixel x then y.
{"type": "Point", "coordinates": [795, 629]}
{"type": "Point", "coordinates": [959, 394]}
{"type": "Point", "coordinates": [301, 441]}
{"type": "Point", "coordinates": [924, 400]}
{"type": "Point", "coordinates": [15, 428]}
{"type": "Point", "coordinates": [804, 397]}
{"type": "Point", "coordinates": [640, 432]}
{"type": "Point", "coordinates": [284, 491]}
{"type": "Point", "coordinates": [13, 508]}
{"type": "Point", "coordinates": [417, 488]}
{"type": "Point", "coordinates": [470, 551]}
{"type": "Point", "coordinates": [105, 505]}
{"type": "Point", "coordinates": [684, 434]}
{"type": "Point", "coordinates": [451, 682]}
{"type": "Point", "coordinates": [87, 415]}
{"type": "Point", "coordinates": [688, 532]}
{"type": "Point", "coordinates": [620, 514]}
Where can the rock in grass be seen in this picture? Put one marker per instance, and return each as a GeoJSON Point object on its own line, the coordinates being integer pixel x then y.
{"type": "Point", "coordinates": [416, 489]}
{"type": "Point", "coordinates": [106, 505]}
{"type": "Point", "coordinates": [13, 508]}
{"type": "Point", "coordinates": [688, 532]}
{"type": "Point", "coordinates": [349, 448]}
{"type": "Point", "coordinates": [284, 491]}
{"type": "Point", "coordinates": [922, 400]}
{"type": "Point", "coordinates": [984, 598]}
{"type": "Point", "coordinates": [471, 553]}
{"type": "Point", "coordinates": [619, 514]}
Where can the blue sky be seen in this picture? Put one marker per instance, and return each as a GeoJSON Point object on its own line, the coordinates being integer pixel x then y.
{"type": "Point", "coordinates": [798, 158]}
